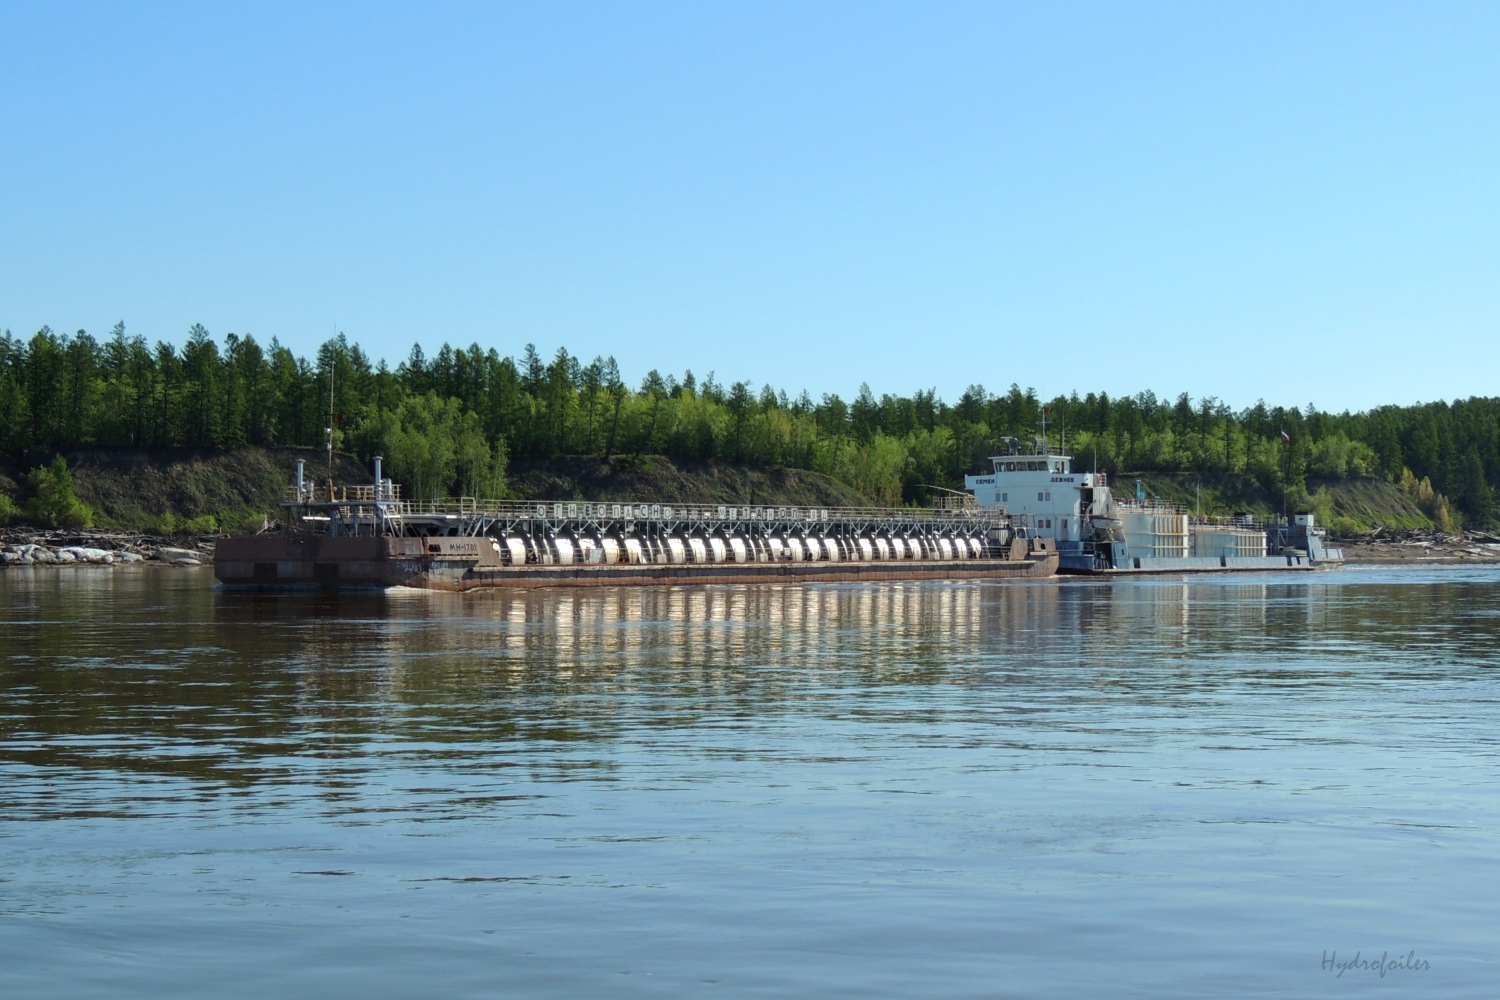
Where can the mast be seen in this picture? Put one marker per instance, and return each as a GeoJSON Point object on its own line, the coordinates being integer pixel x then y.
{"type": "Point", "coordinates": [328, 430]}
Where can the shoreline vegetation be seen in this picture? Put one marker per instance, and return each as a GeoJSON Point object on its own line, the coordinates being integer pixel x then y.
{"type": "Point", "coordinates": [198, 440]}
{"type": "Point", "coordinates": [169, 506]}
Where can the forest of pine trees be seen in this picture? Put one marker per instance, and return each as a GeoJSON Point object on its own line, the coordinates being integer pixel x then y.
{"type": "Point", "coordinates": [449, 423]}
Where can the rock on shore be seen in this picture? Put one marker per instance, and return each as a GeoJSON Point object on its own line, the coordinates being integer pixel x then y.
{"type": "Point", "coordinates": [75, 549]}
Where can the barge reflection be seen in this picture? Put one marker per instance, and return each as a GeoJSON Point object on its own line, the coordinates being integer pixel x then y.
{"type": "Point", "coordinates": [139, 678]}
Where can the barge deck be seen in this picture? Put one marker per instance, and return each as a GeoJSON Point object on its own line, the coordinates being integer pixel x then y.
{"type": "Point", "coordinates": [366, 536]}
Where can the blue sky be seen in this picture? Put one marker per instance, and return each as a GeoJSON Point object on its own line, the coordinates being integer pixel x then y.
{"type": "Point", "coordinates": [1290, 201]}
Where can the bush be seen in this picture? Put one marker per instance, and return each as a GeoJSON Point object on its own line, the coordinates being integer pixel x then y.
{"type": "Point", "coordinates": [53, 503]}
{"type": "Point", "coordinates": [8, 509]}
{"type": "Point", "coordinates": [244, 523]}
{"type": "Point", "coordinates": [205, 525]}
{"type": "Point", "coordinates": [1345, 527]}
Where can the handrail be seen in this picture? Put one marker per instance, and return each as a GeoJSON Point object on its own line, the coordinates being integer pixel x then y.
{"type": "Point", "coordinates": [1157, 506]}
{"type": "Point", "coordinates": [636, 510]}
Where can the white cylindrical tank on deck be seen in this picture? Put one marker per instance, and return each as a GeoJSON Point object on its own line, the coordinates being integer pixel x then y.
{"type": "Point", "coordinates": [844, 541]}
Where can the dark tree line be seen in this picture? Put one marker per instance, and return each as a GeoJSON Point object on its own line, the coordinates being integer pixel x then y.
{"type": "Point", "coordinates": [450, 422]}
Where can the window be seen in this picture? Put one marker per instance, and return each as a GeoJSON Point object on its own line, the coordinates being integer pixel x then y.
{"type": "Point", "coordinates": [1039, 497]}
{"type": "Point", "coordinates": [1049, 494]}
{"type": "Point", "coordinates": [1005, 498]}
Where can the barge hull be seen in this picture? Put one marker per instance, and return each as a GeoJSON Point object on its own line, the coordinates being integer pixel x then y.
{"type": "Point", "coordinates": [462, 564]}
{"type": "Point", "coordinates": [1205, 564]}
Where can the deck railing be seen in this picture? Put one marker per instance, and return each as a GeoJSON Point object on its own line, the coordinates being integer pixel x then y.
{"type": "Point", "coordinates": [360, 501]}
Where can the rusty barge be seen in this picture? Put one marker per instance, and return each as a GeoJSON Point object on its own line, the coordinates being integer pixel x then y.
{"type": "Point", "coordinates": [367, 536]}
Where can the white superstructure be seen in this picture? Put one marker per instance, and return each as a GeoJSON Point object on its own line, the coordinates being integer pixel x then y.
{"type": "Point", "coordinates": [1041, 486]}
{"type": "Point", "coordinates": [1094, 531]}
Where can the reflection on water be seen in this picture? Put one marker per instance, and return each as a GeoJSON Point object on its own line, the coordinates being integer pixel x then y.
{"type": "Point", "coordinates": [930, 767]}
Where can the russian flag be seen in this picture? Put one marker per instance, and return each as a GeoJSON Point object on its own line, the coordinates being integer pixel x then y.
{"type": "Point", "coordinates": [1285, 436]}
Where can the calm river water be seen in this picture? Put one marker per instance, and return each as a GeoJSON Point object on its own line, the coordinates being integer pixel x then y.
{"type": "Point", "coordinates": [1218, 786]}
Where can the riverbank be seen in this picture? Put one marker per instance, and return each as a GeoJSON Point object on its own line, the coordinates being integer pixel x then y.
{"type": "Point", "coordinates": [1422, 547]}
{"type": "Point", "coordinates": [22, 547]}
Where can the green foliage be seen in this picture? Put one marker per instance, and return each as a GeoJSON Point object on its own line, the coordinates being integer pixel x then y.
{"type": "Point", "coordinates": [1340, 457]}
{"type": "Point", "coordinates": [208, 524]}
{"type": "Point", "coordinates": [1345, 527]}
{"type": "Point", "coordinates": [1319, 504]}
{"type": "Point", "coordinates": [243, 523]}
{"type": "Point", "coordinates": [1431, 502]}
{"type": "Point", "coordinates": [448, 423]}
{"type": "Point", "coordinates": [8, 509]}
{"type": "Point", "coordinates": [436, 448]}
{"type": "Point", "coordinates": [236, 522]}
{"type": "Point", "coordinates": [52, 502]}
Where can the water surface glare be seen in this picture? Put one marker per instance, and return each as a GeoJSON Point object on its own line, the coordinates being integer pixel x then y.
{"type": "Point", "coordinates": [1154, 787]}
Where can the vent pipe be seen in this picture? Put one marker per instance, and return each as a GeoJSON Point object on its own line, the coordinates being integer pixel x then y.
{"type": "Point", "coordinates": [300, 480]}
{"type": "Point", "coordinates": [377, 479]}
